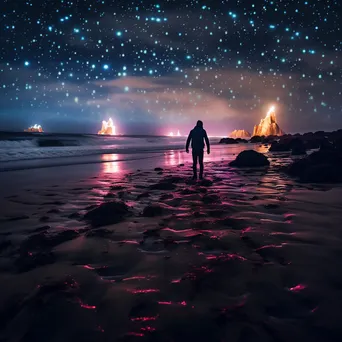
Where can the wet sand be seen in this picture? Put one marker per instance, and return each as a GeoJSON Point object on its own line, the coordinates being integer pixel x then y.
{"type": "Point", "coordinates": [246, 255]}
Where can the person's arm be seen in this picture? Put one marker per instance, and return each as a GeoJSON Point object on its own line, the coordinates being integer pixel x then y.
{"type": "Point", "coordinates": [207, 141]}
{"type": "Point", "coordinates": [188, 142]}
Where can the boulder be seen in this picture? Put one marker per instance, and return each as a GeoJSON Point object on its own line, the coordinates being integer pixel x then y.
{"type": "Point", "coordinates": [298, 147]}
{"type": "Point", "coordinates": [321, 173]}
{"type": "Point", "coordinates": [228, 141]}
{"type": "Point", "coordinates": [324, 166]}
{"type": "Point", "coordinates": [107, 213]}
{"type": "Point", "coordinates": [250, 158]}
{"type": "Point", "coordinates": [256, 139]}
{"type": "Point", "coordinates": [279, 147]}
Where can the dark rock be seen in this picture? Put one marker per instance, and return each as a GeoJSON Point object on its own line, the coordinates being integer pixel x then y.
{"type": "Point", "coordinates": [44, 219]}
{"type": "Point", "coordinates": [43, 242]}
{"type": "Point", "coordinates": [325, 157]}
{"type": "Point", "coordinates": [228, 141]}
{"type": "Point", "coordinates": [188, 192]}
{"type": "Point", "coordinates": [298, 151]}
{"type": "Point", "coordinates": [152, 211]}
{"type": "Point", "coordinates": [322, 173]}
{"type": "Point", "coordinates": [256, 139]}
{"type": "Point", "coordinates": [143, 195]}
{"type": "Point", "coordinates": [109, 195]}
{"type": "Point", "coordinates": [5, 244]}
{"type": "Point", "coordinates": [326, 145]}
{"type": "Point", "coordinates": [324, 166]}
{"type": "Point", "coordinates": [29, 261]}
{"type": "Point", "coordinates": [158, 169]}
{"type": "Point", "coordinates": [173, 179]}
{"type": "Point", "coordinates": [107, 213]}
{"type": "Point", "coordinates": [279, 147]}
{"type": "Point", "coordinates": [74, 216]}
{"type": "Point", "coordinates": [207, 199]}
{"type": "Point", "coordinates": [54, 211]}
{"type": "Point", "coordinates": [180, 165]}
{"type": "Point", "coordinates": [163, 185]}
{"type": "Point", "coordinates": [206, 182]}
{"type": "Point", "coordinates": [250, 158]}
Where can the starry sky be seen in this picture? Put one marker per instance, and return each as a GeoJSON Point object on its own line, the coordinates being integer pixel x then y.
{"type": "Point", "coordinates": [158, 66]}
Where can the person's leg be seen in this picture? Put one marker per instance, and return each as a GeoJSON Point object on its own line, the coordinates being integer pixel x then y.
{"type": "Point", "coordinates": [200, 159]}
{"type": "Point", "coordinates": [194, 163]}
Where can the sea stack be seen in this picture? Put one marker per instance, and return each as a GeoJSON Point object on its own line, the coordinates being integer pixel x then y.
{"type": "Point", "coordinates": [268, 125]}
{"type": "Point", "coordinates": [34, 129]}
{"type": "Point", "coordinates": [108, 128]}
{"type": "Point", "coordinates": [240, 134]}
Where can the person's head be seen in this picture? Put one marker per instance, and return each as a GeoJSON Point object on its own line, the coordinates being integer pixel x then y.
{"type": "Point", "coordinates": [199, 124]}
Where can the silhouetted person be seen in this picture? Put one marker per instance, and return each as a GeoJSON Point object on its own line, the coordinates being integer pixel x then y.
{"type": "Point", "coordinates": [197, 137]}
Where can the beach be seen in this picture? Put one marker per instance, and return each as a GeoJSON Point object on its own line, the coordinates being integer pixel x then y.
{"type": "Point", "coordinates": [244, 255]}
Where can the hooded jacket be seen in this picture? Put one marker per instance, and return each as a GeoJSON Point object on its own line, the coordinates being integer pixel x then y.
{"type": "Point", "coordinates": [197, 137]}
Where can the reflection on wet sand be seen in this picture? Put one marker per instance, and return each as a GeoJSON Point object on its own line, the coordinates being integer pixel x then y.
{"type": "Point", "coordinates": [174, 158]}
{"type": "Point", "coordinates": [113, 166]}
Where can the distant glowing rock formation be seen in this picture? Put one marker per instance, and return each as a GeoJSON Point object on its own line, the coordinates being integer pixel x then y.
{"type": "Point", "coordinates": [268, 126]}
{"type": "Point", "coordinates": [240, 133]}
{"type": "Point", "coordinates": [108, 127]}
{"type": "Point", "coordinates": [172, 135]}
{"type": "Point", "coordinates": [36, 128]}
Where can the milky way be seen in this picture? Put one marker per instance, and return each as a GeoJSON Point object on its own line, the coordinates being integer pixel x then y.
{"type": "Point", "coordinates": [159, 66]}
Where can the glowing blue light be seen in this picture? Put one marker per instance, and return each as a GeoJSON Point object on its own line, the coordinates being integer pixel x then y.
{"type": "Point", "coordinates": [26, 63]}
{"type": "Point", "coordinates": [188, 57]}
{"type": "Point", "coordinates": [106, 67]}
{"type": "Point", "coordinates": [119, 33]}
{"type": "Point", "coordinates": [76, 30]}
{"type": "Point", "coordinates": [272, 27]}
{"type": "Point", "coordinates": [93, 66]}
{"type": "Point", "coordinates": [50, 28]}
{"type": "Point", "coordinates": [126, 88]}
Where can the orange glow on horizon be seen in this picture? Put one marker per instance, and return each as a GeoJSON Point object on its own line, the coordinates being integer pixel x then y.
{"type": "Point", "coordinates": [108, 127]}
{"type": "Point", "coordinates": [35, 128]}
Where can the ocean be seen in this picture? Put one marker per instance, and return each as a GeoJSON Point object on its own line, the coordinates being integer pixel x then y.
{"type": "Point", "coordinates": [25, 150]}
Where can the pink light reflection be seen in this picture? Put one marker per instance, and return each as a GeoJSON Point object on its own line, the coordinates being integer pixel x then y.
{"type": "Point", "coordinates": [143, 291]}
{"type": "Point", "coordinates": [173, 158]}
{"type": "Point", "coordinates": [298, 288]}
{"type": "Point", "coordinates": [113, 166]}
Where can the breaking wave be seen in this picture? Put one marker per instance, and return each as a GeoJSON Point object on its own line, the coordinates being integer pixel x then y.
{"type": "Point", "coordinates": [22, 146]}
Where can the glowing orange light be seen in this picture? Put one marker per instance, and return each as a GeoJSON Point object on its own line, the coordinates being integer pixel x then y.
{"type": "Point", "coordinates": [171, 134]}
{"type": "Point", "coordinates": [35, 128]}
{"type": "Point", "coordinates": [108, 127]}
{"type": "Point", "coordinates": [271, 110]}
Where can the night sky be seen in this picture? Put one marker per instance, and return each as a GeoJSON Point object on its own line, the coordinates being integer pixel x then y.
{"type": "Point", "coordinates": [156, 66]}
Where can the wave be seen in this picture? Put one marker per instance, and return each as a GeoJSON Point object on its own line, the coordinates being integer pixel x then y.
{"type": "Point", "coordinates": [19, 146]}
